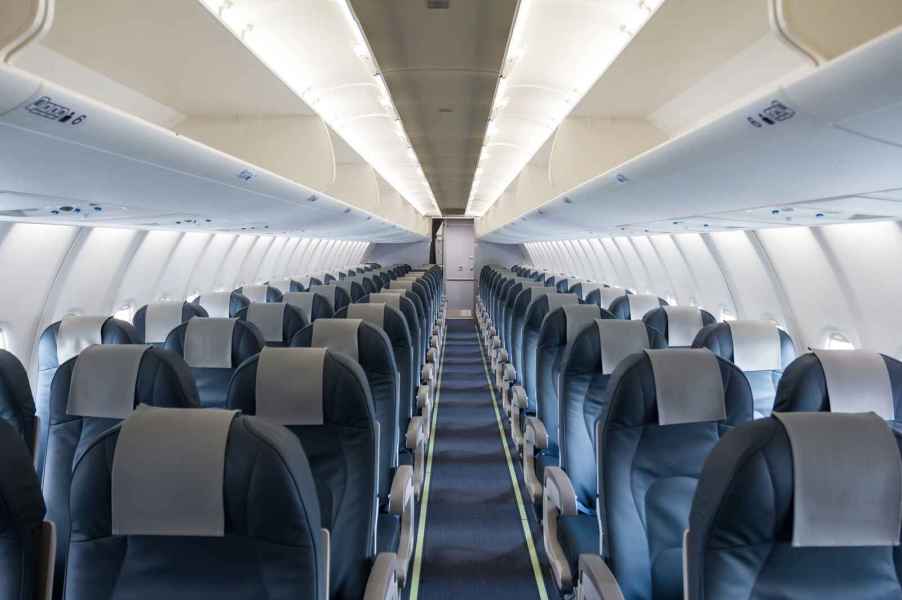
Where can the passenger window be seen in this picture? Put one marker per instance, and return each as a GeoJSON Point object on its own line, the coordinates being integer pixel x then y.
{"type": "Point", "coordinates": [125, 313]}
{"type": "Point", "coordinates": [838, 341]}
{"type": "Point", "coordinates": [194, 296]}
{"type": "Point", "coordinates": [4, 341]}
{"type": "Point", "coordinates": [726, 314]}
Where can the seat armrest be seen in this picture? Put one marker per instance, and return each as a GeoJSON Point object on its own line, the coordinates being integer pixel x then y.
{"type": "Point", "coordinates": [401, 502]}
{"type": "Point", "coordinates": [559, 498]}
{"type": "Point", "coordinates": [596, 582]}
{"type": "Point", "coordinates": [427, 375]}
{"type": "Point", "coordinates": [518, 397]}
{"type": "Point", "coordinates": [326, 537]}
{"type": "Point", "coordinates": [519, 403]}
{"type": "Point", "coordinates": [415, 440]}
{"type": "Point", "coordinates": [535, 438]}
{"type": "Point", "coordinates": [432, 356]}
{"type": "Point", "coordinates": [503, 356]}
{"type": "Point", "coordinates": [424, 404]}
{"type": "Point", "coordinates": [382, 584]}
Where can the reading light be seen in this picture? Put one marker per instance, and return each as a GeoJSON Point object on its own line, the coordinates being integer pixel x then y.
{"type": "Point", "coordinates": [569, 48]}
{"type": "Point", "coordinates": [318, 49]}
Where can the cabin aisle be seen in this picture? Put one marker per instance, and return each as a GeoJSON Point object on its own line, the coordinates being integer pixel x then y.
{"type": "Point", "coordinates": [475, 544]}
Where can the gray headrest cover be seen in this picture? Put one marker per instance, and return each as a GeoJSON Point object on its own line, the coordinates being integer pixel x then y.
{"type": "Point", "coordinates": [401, 285]}
{"type": "Point", "coordinates": [77, 333]}
{"type": "Point", "coordinates": [217, 305]}
{"type": "Point", "coordinates": [756, 345]}
{"type": "Point", "coordinates": [536, 293]}
{"type": "Point", "coordinates": [579, 316]}
{"type": "Point", "coordinates": [302, 300]}
{"type": "Point", "coordinates": [641, 304]}
{"type": "Point", "coordinates": [683, 324]}
{"type": "Point", "coordinates": [556, 301]}
{"type": "Point", "coordinates": [254, 293]}
{"type": "Point", "coordinates": [283, 285]}
{"type": "Point", "coordinates": [208, 343]}
{"type": "Point", "coordinates": [338, 335]}
{"type": "Point", "coordinates": [269, 319]}
{"type": "Point", "coordinates": [327, 291]}
{"type": "Point", "coordinates": [103, 381]}
{"type": "Point", "coordinates": [159, 319]}
{"type": "Point", "coordinates": [289, 388]}
{"type": "Point", "coordinates": [609, 294]}
{"type": "Point", "coordinates": [848, 480]}
{"type": "Point", "coordinates": [619, 339]}
{"type": "Point", "coordinates": [373, 313]}
{"type": "Point", "coordinates": [688, 386]}
{"type": "Point", "coordinates": [393, 300]}
{"type": "Point", "coordinates": [857, 381]}
{"type": "Point", "coordinates": [168, 472]}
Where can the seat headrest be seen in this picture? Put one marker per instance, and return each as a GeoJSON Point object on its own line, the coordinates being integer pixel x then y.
{"type": "Point", "coordinates": [609, 294]}
{"type": "Point", "coordinates": [326, 291]}
{"type": "Point", "coordinates": [556, 301]}
{"type": "Point", "coordinates": [400, 284]}
{"type": "Point", "coordinates": [847, 480]}
{"type": "Point", "coordinates": [618, 339]}
{"type": "Point", "coordinates": [77, 333]}
{"type": "Point", "coordinates": [208, 343]}
{"type": "Point", "coordinates": [160, 318]}
{"type": "Point", "coordinates": [255, 293]}
{"type": "Point", "coordinates": [388, 299]}
{"type": "Point", "coordinates": [289, 385]}
{"type": "Point", "coordinates": [756, 345]}
{"type": "Point", "coordinates": [269, 317]}
{"type": "Point", "coordinates": [180, 491]}
{"type": "Point", "coordinates": [302, 300]}
{"type": "Point", "coordinates": [579, 316]}
{"type": "Point", "coordinates": [373, 313]}
{"type": "Point", "coordinates": [338, 335]}
{"type": "Point", "coordinates": [642, 303]}
{"type": "Point", "coordinates": [683, 323]}
{"type": "Point", "coordinates": [104, 381]}
{"type": "Point", "coordinates": [688, 386]}
{"type": "Point", "coordinates": [283, 285]}
{"type": "Point", "coordinates": [217, 304]}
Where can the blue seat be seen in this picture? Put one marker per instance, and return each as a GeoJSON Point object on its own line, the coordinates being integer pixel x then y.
{"type": "Point", "coordinates": [26, 540]}
{"type": "Point", "coordinates": [336, 296]}
{"type": "Point", "coordinates": [214, 348]}
{"type": "Point", "coordinates": [59, 342]}
{"type": "Point", "coordinates": [760, 348]}
{"type": "Point", "coordinates": [16, 402]}
{"type": "Point", "coordinates": [287, 285]}
{"type": "Point", "coordinates": [799, 506]}
{"type": "Point", "coordinates": [666, 411]}
{"type": "Point", "coordinates": [323, 398]}
{"type": "Point", "coordinates": [260, 293]}
{"type": "Point", "coordinates": [91, 393]}
{"type": "Point", "coordinates": [277, 322]}
{"type": "Point", "coordinates": [222, 305]}
{"type": "Point", "coordinates": [602, 294]}
{"type": "Point", "coordinates": [195, 504]}
{"type": "Point", "coordinates": [679, 324]}
{"type": "Point", "coordinates": [314, 306]}
{"type": "Point", "coordinates": [635, 306]}
{"type": "Point", "coordinates": [154, 321]}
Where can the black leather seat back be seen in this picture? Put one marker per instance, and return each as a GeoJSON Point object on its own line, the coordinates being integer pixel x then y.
{"type": "Point", "coordinates": [59, 342]}
{"type": "Point", "coordinates": [21, 518]}
{"type": "Point", "coordinates": [679, 324]}
{"type": "Point", "coordinates": [756, 531]}
{"type": "Point", "coordinates": [16, 402]}
{"type": "Point", "coordinates": [214, 348]}
{"type": "Point", "coordinates": [154, 321]}
{"type": "Point", "coordinates": [277, 322]}
{"type": "Point", "coordinates": [594, 355]}
{"type": "Point", "coordinates": [260, 536]}
{"type": "Point", "coordinates": [667, 410]}
{"type": "Point", "coordinates": [372, 350]}
{"type": "Point", "coordinates": [764, 351]}
{"type": "Point", "coordinates": [119, 378]}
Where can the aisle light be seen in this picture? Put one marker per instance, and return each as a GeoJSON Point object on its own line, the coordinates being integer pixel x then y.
{"type": "Point", "coordinates": [318, 49]}
{"type": "Point", "coordinates": [556, 52]}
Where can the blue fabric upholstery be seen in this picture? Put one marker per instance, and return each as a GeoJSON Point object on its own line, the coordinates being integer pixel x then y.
{"type": "Point", "coordinates": [740, 531]}
{"type": "Point", "coordinates": [163, 380]}
{"type": "Point", "coordinates": [271, 547]}
{"type": "Point", "coordinates": [648, 475]}
{"type": "Point", "coordinates": [21, 515]}
{"type": "Point", "coordinates": [213, 383]}
{"type": "Point", "coordinates": [16, 402]}
{"type": "Point", "coordinates": [342, 455]}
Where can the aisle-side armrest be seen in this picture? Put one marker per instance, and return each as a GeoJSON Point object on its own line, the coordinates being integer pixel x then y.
{"type": "Point", "coordinates": [596, 582]}
{"type": "Point", "coordinates": [415, 441]}
{"type": "Point", "coordinates": [559, 498]}
{"type": "Point", "coordinates": [382, 583]}
{"type": "Point", "coordinates": [401, 502]}
{"type": "Point", "coordinates": [534, 439]}
{"type": "Point", "coordinates": [424, 404]}
{"type": "Point", "coordinates": [519, 403]}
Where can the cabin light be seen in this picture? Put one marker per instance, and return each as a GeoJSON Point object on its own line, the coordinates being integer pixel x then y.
{"type": "Point", "coordinates": [837, 341]}
{"type": "Point", "coordinates": [671, 300]}
{"type": "Point", "coordinates": [726, 314]}
{"type": "Point", "coordinates": [4, 341]}
{"type": "Point", "coordinates": [553, 59]}
{"type": "Point", "coordinates": [319, 50]}
{"type": "Point", "coordinates": [125, 313]}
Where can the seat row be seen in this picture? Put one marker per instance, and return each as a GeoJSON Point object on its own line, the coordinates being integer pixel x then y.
{"type": "Point", "coordinates": [331, 517]}
{"type": "Point", "coordinates": [630, 453]}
